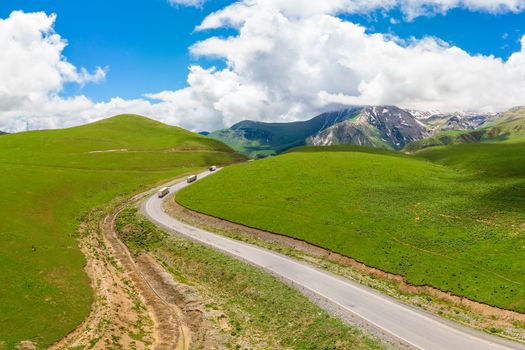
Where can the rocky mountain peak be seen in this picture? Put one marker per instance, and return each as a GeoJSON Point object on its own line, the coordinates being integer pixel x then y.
{"type": "Point", "coordinates": [383, 126]}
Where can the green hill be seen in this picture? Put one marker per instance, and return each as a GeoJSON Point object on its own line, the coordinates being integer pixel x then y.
{"type": "Point", "coordinates": [494, 161]}
{"type": "Point", "coordinates": [49, 180]}
{"type": "Point", "coordinates": [507, 127]}
{"type": "Point", "coordinates": [450, 217]}
{"type": "Point", "coordinates": [347, 148]}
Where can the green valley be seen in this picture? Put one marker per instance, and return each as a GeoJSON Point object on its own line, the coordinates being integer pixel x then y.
{"type": "Point", "coordinates": [449, 217]}
{"type": "Point", "coordinates": [50, 179]}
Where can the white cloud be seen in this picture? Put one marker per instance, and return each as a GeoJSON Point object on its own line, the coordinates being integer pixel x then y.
{"type": "Point", "coordinates": [299, 66]}
{"type": "Point", "coordinates": [33, 69]}
{"type": "Point", "coordinates": [289, 60]}
{"type": "Point", "coordinates": [235, 14]}
{"type": "Point", "coordinates": [415, 8]}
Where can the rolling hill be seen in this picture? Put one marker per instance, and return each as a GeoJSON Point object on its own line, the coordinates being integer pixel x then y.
{"type": "Point", "coordinates": [50, 179]}
{"type": "Point", "coordinates": [449, 217]}
{"type": "Point", "coordinates": [387, 127]}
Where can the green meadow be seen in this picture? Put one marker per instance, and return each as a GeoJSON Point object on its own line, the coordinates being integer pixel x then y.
{"type": "Point", "coordinates": [49, 180]}
{"type": "Point", "coordinates": [450, 217]}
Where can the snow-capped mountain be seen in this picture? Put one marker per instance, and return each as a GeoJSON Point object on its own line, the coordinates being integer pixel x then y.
{"type": "Point", "coordinates": [388, 127]}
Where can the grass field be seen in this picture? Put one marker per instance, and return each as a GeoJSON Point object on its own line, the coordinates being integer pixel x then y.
{"type": "Point", "coordinates": [452, 217]}
{"type": "Point", "coordinates": [262, 312]}
{"type": "Point", "coordinates": [49, 179]}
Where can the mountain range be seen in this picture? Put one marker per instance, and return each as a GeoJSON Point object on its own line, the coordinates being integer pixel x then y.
{"type": "Point", "coordinates": [504, 127]}
{"type": "Point", "coordinates": [388, 127]}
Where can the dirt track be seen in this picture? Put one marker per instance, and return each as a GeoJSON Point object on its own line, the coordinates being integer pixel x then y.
{"type": "Point", "coordinates": [126, 312]}
{"type": "Point", "coordinates": [136, 304]}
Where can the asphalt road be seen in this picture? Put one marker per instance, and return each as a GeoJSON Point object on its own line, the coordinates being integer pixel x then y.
{"type": "Point", "coordinates": [411, 326]}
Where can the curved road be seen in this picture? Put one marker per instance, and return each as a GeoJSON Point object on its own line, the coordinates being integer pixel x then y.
{"type": "Point", "coordinates": [401, 322]}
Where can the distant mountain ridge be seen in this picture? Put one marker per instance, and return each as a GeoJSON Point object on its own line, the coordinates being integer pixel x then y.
{"type": "Point", "coordinates": [263, 139]}
{"type": "Point", "coordinates": [3, 133]}
{"type": "Point", "coordinates": [377, 126]}
{"type": "Point", "coordinates": [388, 127]}
{"type": "Point", "coordinates": [504, 127]}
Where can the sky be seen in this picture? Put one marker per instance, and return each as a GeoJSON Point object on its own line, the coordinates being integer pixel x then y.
{"type": "Point", "coordinates": [205, 65]}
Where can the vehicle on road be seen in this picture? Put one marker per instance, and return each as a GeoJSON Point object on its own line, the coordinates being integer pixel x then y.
{"type": "Point", "coordinates": [213, 168]}
{"type": "Point", "coordinates": [163, 192]}
{"type": "Point", "coordinates": [192, 178]}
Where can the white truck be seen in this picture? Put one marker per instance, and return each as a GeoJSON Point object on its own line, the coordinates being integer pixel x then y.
{"type": "Point", "coordinates": [213, 168]}
{"type": "Point", "coordinates": [163, 192]}
{"type": "Point", "coordinates": [192, 178]}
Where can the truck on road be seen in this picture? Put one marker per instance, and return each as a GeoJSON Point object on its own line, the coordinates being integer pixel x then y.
{"type": "Point", "coordinates": [163, 192]}
{"type": "Point", "coordinates": [192, 178]}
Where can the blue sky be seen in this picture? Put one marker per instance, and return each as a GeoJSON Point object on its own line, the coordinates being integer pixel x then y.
{"type": "Point", "coordinates": [275, 60]}
{"type": "Point", "coordinates": [145, 42]}
{"type": "Point", "coordinates": [475, 32]}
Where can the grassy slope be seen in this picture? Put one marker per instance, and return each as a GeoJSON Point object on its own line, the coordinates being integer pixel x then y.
{"type": "Point", "coordinates": [237, 140]}
{"type": "Point", "coordinates": [49, 178]}
{"type": "Point", "coordinates": [491, 161]}
{"type": "Point", "coordinates": [347, 148]}
{"type": "Point", "coordinates": [263, 139]}
{"type": "Point", "coordinates": [458, 228]}
{"type": "Point", "coordinates": [258, 307]}
{"type": "Point", "coordinates": [449, 137]}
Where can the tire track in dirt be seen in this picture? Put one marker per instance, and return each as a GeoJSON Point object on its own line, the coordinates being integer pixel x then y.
{"type": "Point", "coordinates": [169, 331]}
{"type": "Point", "coordinates": [127, 312]}
{"type": "Point", "coordinates": [130, 291]}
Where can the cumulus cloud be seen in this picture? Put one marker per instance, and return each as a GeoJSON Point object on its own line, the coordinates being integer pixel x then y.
{"type": "Point", "coordinates": [33, 69]}
{"type": "Point", "coordinates": [289, 60]}
{"type": "Point", "coordinates": [286, 67]}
